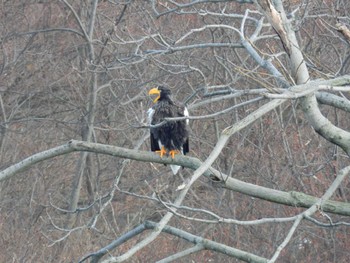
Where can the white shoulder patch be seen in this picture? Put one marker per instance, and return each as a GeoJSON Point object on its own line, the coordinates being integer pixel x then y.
{"type": "Point", "coordinates": [150, 113]}
{"type": "Point", "coordinates": [186, 114]}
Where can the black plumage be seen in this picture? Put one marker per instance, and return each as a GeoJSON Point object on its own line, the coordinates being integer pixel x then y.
{"type": "Point", "coordinates": [171, 137]}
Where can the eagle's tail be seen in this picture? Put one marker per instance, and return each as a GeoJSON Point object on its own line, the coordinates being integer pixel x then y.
{"type": "Point", "coordinates": [175, 168]}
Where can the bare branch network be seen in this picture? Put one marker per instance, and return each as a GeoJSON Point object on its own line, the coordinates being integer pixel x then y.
{"type": "Point", "coordinates": [294, 199]}
{"type": "Point", "coordinates": [267, 86]}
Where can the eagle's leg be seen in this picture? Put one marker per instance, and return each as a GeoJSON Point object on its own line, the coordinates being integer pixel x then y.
{"type": "Point", "coordinates": [161, 152]}
{"type": "Point", "coordinates": [173, 152]}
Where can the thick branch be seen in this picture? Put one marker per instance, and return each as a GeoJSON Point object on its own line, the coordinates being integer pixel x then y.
{"type": "Point", "coordinates": [80, 24]}
{"type": "Point", "coordinates": [275, 13]}
{"type": "Point", "coordinates": [309, 212]}
{"type": "Point", "coordinates": [203, 242]}
{"type": "Point", "coordinates": [344, 30]}
{"type": "Point", "coordinates": [323, 126]}
{"type": "Point", "coordinates": [182, 254]}
{"type": "Point", "coordinates": [36, 158]}
{"type": "Point", "coordinates": [333, 100]}
{"type": "Point", "coordinates": [295, 199]}
{"type": "Point", "coordinates": [51, 30]}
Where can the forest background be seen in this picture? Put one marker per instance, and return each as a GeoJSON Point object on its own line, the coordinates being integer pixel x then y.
{"type": "Point", "coordinates": [267, 86]}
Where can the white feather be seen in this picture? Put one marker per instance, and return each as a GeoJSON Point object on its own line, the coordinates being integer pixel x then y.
{"type": "Point", "coordinates": [175, 168]}
{"type": "Point", "coordinates": [150, 114]}
{"type": "Point", "coordinates": [186, 114]}
{"type": "Point", "coordinates": [160, 144]}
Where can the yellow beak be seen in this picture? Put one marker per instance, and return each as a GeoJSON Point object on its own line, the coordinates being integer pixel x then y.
{"type": "Point", "coordinates": [155, 91]}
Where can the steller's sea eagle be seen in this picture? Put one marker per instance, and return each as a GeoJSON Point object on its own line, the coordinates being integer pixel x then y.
{"type": "Point", "coordinates": [172, 137]}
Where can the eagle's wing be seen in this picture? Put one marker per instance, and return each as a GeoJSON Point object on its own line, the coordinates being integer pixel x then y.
{"type": "Point", "coordinates": [154, 141]}
{"type": "Point", "coordinates": [186, 147]}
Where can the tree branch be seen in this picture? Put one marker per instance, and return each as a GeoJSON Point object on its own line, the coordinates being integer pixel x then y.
{"type": "Point", "coordinates": [276, 15]}
{"type": "Point", "coordinates": [317, 205]}
{"type": "Point", "coordinates": [203, 242]}
{"type": "Point", "coordinates": [182, 254]}
{"type": "Point", "coordinates": [295, 199]}
{"type": "Point", "coordinates": [333, 100]}
{"type": "Point", "coordinates": [344, 30]}
{"type": "Point", "coordinates": [80, 24]}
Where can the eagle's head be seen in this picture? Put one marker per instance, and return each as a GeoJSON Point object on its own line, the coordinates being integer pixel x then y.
{"type": "Point", "coordinates": [161, 93]}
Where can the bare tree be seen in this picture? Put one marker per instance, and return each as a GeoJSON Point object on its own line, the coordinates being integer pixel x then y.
{"type": "Point", "coordinates": [267, 86]}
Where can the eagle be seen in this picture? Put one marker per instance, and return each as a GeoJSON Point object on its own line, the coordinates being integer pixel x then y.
{"type": "Point", "coordinates": [170, 137]}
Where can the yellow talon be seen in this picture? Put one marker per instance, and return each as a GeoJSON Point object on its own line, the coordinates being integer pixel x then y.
{"type": "Point", "coordinates": [173, 152]}
{"type": "Point", "coordinates": [161, 152]}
